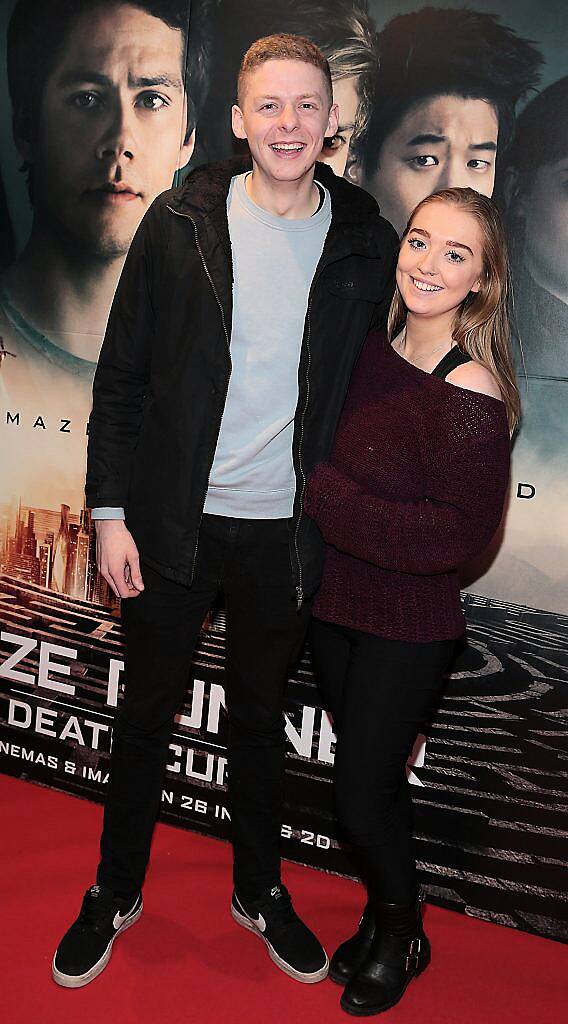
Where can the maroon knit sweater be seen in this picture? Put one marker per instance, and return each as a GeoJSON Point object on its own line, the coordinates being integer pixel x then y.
{"type": "Point", "coordinates": [415, 487]}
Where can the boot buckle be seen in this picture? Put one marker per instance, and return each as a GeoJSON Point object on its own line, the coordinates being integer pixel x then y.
{"type": "Point", "coordinates": [412, 956]}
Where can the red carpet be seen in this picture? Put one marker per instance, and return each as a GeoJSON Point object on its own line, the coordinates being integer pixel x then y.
{"type": "Point", "coordinates": [186, 961]}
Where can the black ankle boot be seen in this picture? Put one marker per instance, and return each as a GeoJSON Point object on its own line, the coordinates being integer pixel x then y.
{"type": "Point", "coordinates": [399, 952]}
{"type": "Point", "coordinates": [351, 954]}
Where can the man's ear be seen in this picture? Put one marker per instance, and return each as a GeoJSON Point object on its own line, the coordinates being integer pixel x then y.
{"type": "Point", "coordinates": [514, 197]}
{"type": "Point", "coordinates": [353, 170]}
{"type": "Point", "coordinates": [22, 134]}
{"type": "Point", "coordinates": [237, 122]}
{"type": "Point", "coordinates": [333, 122]}
{"type": "Point", "coordinates": [186, 151]}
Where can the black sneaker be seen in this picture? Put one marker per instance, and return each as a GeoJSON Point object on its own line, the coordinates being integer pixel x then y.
{"type": "Point", "coordinates": [86, 948]}
{"type": "Point", "coordinates": [290, 943]}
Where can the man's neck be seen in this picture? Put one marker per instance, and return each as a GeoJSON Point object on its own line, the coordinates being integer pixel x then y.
{"type": "Point", "coordinates": [65, 295]}
{"type": "Point", "coordinates": [294, 200]}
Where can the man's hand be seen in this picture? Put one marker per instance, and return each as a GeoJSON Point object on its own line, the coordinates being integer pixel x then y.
{"type": "Point", "coordinates": [117, 558]}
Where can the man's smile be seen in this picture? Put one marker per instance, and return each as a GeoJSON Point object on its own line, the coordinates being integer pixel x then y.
{"type": "Point", "coordinates": [287, 149]}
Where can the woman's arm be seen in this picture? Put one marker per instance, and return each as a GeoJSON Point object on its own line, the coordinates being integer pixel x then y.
{"type": "Point", "coordinates": [432, 535]}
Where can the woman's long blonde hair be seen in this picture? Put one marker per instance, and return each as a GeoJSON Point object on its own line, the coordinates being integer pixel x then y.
{"type": "Point", "coordinates": [481, 325]}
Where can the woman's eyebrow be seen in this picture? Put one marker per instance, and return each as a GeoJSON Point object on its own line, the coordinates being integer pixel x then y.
{"type": "Point", "coordinates": [459, 245]}
{"type": "Point", "coordinates": [449, 241]}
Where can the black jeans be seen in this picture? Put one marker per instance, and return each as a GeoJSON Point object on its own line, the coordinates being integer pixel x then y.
{"type": "Point", "coordinates": [249, 561]}
{"type": "Point", "coordinates": [380, 693]}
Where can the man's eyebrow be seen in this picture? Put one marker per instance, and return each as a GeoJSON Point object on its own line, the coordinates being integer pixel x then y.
{"type": "Point", "coordinates": [302, 96]}
{"type": "Point", "coordinates": [420, 140]}
{"type": "Point", "coordinates": [491, 146]}
{"type": "Point", "coordinates": [150, 81]}
{"type": "Point", "coordinates": [80, 76]}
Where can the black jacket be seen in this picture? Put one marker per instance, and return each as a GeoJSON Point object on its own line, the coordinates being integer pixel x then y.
{"type": "Point", "coordinates": [163, 373]}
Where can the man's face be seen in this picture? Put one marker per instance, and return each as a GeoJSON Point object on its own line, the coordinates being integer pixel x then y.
{"type": "Point", "coordinates": [285, 116]}
{"type": "Point", "coordinates": [346, 96]}
{"type": "Point", "coordinates": [111, 128]}
{"type": "Point", "coordinates": [443, 142]}
{"type": "Point", "coordinates": [545, 214]}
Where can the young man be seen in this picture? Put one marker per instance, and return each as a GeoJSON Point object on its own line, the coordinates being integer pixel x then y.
{"type": "Point", "coordinates": [105, 95]}
{"type": "Point", "coordinates": [446, 91]}
{"type": "Point", "coordinates": [344, 32]}
{"type": "Point", "coordinates": [242, 307]}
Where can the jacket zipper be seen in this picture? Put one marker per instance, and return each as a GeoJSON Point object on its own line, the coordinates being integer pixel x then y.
{"type": "Point", "coordinates": [299, 588]}
{"type": "Point", "coordinates": [223, 321]}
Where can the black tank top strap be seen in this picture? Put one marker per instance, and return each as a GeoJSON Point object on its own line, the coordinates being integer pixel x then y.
{"type": "Point", "coordinates": [452, 359]}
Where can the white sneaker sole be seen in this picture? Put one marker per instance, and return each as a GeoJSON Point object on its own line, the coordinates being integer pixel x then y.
{"type": "Point", "coordinates": [78, 980]}
{"type": "Point", "coordinates": [306, 979]}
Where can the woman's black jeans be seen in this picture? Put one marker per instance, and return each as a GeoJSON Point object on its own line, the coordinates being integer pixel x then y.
{"type": "Point", "coordinates": [380, 693]}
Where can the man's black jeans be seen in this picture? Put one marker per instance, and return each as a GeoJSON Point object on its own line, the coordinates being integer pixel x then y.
{"type": "Point", "coordinates": [249, 562]}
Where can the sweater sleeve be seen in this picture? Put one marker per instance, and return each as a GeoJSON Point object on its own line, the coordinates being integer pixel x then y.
{"type": "Point", "coordinates": [435, 534]}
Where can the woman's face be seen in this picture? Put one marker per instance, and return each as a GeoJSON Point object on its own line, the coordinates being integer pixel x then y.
{"type": "Point", "coordinates": [440, 259]}
{"type": "Point", "coordinates": [544, 210]}
{"type": "Point", "coordinates": [346, 96]}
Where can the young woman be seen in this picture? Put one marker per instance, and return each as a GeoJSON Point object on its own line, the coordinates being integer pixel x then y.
{"type": "Point", "coordinates": [415, 486]}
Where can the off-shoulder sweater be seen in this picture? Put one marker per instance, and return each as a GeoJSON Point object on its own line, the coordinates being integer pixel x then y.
{"type": "Point", "coordinates": [415, 487]}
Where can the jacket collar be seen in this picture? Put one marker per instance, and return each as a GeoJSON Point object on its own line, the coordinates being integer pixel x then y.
{"type": "Point", "coordinates": [204, 194]}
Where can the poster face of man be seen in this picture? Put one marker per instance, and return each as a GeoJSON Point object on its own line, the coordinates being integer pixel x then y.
{"type": "Point", "coordinates": [109, 132]}
{"type": "Point", "coordinates": [346, 96]}
{"type": "Point", "coordinates": [110, 128]}
{"type": "Point", "coordinates": [441, 142]}
{"type": "Point", "coordinates": [545, 214]}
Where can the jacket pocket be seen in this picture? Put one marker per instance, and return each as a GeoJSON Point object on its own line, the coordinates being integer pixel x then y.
{"type": "Point", "coordinates": [356, 279]}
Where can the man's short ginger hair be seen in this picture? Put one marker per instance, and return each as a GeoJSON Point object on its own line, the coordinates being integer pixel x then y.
{"type": "Point", "coordinates": [282, 46]}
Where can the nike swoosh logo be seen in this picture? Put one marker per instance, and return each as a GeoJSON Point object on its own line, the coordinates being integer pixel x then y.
{"type": "Point", "coordinates": [258, 922]}
{"type": "Point", "coordinates": [119, 919]}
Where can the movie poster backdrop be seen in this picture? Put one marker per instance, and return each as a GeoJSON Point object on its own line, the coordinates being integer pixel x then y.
{"type": "Point", "coordinates": [107, 103]}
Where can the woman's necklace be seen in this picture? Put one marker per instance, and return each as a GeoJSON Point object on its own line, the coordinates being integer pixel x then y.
{"type": "Point", "coordinates": [425, 355]}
